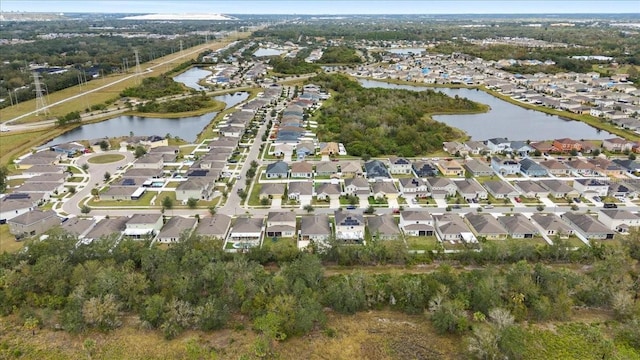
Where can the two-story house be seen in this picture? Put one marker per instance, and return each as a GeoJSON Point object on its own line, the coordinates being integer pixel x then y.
{"type": "Point", "coordinates": [399, 165]}
{"type": "Point", "coordinates": [350, 226]}
{"type": "Point", "coordinates": [505, 166]}
{"type": "Point", "coordinates": [416, 223]}
{"type": "Point", "coordinates": [281, 224]}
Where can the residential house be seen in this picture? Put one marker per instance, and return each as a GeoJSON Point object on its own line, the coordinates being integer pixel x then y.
{"type": "Point", "coordinates": [327, 168]}
{"type": "Point", "coordinates": [48, 189]}
{"type": "Point", "coordinates": [440, 187]}
{"type": "Point", "coordinates": [398, 165]}
{"type": "Point", "coordinates": [384, 189]}
{"type": "Point", "coordinates": [416, 223]}
{"type": "Point", "coordinates": [619, 220]}
{"type": "Point", "coordinates": [33, 223]}
{"type": "Point", "coordinates": [328, 191]}
{"type": "Point", "coordinates": [505, 166]}
{"type": "Point", "coordinates": [498, 145]}
{"type": "Point", "coordinates": [450, 168]}
{"type": "Point", "coordinates": [606, 166]}
{"type": "Point", "coordinates": [246, 232]}
{"type": "Point", "coordinates": [78, 227]}
{"type": "Point", "coordinates": [383, 227]}
{"type": "Point", "coordinates": [477, 147]}
{"type": "Point", "coordinates": [272, 191]}
{"type": "Point", "coordinates": [39, 158]}
{"type": "Point", "coordinates": [143, 225]}
{"type": "Point", "coordinates": [552, 225]}
{"type": "Point", "coordinates": [559, 189]}
{"type": "Point", "coordinates": [281, 224]}
{"type": "Point", "coordinates": [356, 186]}
{"type": "Point", "coordinates": [176, 227]}
{"type": "Point", "coordinates": [149, 161]}
{"type": "Point", "coordinates": [617, 145]}
{"type": "Point", "coordinates": [531, 189]}
{"type": "Point", "coordinates": [500, 189]}
{"type": "Point", "coordinates": [451, 227]}
{"type": "Point", "coordinates": [314, 228]}
{"type": "Point", "coordinates": [518, 226]}
{"type": "Point", "coordinates": [424, 169]}
{"type": "Point", "coordinates": [195, 188]}
{"type": "Point", "coordinates": [413, 187]}
{"type": "Point", "coordinates": [304, 149]}
{"type": "Point", "coordinates": [350, 226]}
{"type": "Point", "coordinates": [302, 169]}
{"type": "Point", "coordinates": [532, 168]}
{"type": "Point", "coordinates": [566, 145]}
{"type": "Point", "coordinates": [214, 227]}
{"type": "Point", "coordinates": [621, 191]}
{"type": "Point", "coordinates": [43, 169]}
{"type": "Point", "coordinates": [477, 167]}
{"type": "Point", "coordinates": [486, 226]}
{"type": "Point", "coordinates": [470, 189]}
{"type": "Point", "coordinates": [350, 168]}
{"type": "Point", "coordinates": [330, 149]}
{"type": "Point", "coordinates": [521, 148]}
{"type": "Point", "coordinates": [582, 168]}
{"type": "Point", "coordinates": [555, 167]}
{"type": "Point", "coordinates": [587, 226]}
{"type": "Point", "coordinates": [375, 169]}
{"type": "Point", "coordinates": [593, 186]}
{"type": "Point", "coordinates": [630, 166]}
{"type": "Point", "coordinates": [455, 148]}
{"type": "Point", "coordinates": [281, 150]}
{"type": "Point", "coordinates": [106, 228]}
{"type": "Point", "coordinates": [301, 191]}
{"type": "Point", "coordinates": [277, 170]}
{"type": "Point", "coordinates": [12, 206]}
{"type": "Point", "coordinates": [120, 193]}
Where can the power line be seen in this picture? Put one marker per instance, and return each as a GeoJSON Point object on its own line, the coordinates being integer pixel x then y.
{"type": "Point", "coordinates": [41, 102]}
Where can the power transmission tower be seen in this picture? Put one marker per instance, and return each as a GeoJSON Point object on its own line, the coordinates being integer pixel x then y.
{"type": "Point", "coordinates": [41, 102]}
{"type": "Point", "coordinates": [180, 46]}
{"type": "Point", "coordinates": [138, 71]}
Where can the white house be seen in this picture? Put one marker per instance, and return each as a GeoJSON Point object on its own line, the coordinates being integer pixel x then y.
{"type": "Point", "coordinates": [619, 220]}
{"type": "Point", "coordinates": [143, 225]}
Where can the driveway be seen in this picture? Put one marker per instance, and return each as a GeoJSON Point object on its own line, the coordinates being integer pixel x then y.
{"type": "Point", "coordinates": [364, 201]}
{"type": "Point", "coordinates": [276, 203]}
{"type": "Point", "coordinates": [334, 203]}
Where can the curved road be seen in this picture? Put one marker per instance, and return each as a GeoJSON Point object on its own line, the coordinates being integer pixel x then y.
{"type": "Point", "coordinates": [96, 176]}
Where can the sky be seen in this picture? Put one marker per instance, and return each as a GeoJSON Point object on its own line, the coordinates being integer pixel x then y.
{"type": "Point", "coordinates": [325, 7]}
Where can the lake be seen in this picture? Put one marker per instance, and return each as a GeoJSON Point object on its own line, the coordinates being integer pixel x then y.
{"type": "Point", "coordinates": [267, 52]}
{"type": "Point", "coordinates": [504, 119]}
{"type": "Point", "coordinates": [186, 128]}
{"type": "Point", "coordinates": [405, 51]}
{"type": "Point", "coordinates": [191, 77]}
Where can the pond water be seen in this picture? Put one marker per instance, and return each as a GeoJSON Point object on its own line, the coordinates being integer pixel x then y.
{"type": "Point", "coordinates": [267, 52]}
{"type": "Point", "coordinates": [191, 77]}
{"type": "Point", "coordinates": [405, 51]}
{"type": "Point", "coordinates": [186, 128]}
{"type": "Point", "coordinates": [504, 119]}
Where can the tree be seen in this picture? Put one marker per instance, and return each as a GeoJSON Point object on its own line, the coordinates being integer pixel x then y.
{"type": "Point", "coordinates": [212, 210]}
{"type": "Point", "coordinates": [192, 203]}
{"type": "Point", "coordinates": [308, 208]}
{"type": "Point", "coordinates": [104, 145]}
{"type": "Point", "coordinates": [31, 324]}
{"type": "Point", "coordinates": [632, 156]}
{"type": "Point", "coordinates": [101, 313]}
{"type": "Point", "coordinates": [85, 209]}
{"type": "Point", "coordinates": [139, 152]}
{"type": "Point", "coordinates": [85, 167]}
{"type": "Point", "coordinates": [107, 176]}
{"type": "Point", "coordinates": [370, 210]}
{"type": "Point", "coordinates": [72, 190]}
{"type": "Point", "coordinates": [95, 192]}
{"type": "Point", "coordinates": [3, 178]}
{"type": "Point", "coordinates": [167, 203]}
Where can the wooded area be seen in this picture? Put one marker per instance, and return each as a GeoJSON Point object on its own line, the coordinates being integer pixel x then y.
{"type": "Point", "coordinates": [195, 285]}
{"type": "Point", "coordinates": [386, 122]}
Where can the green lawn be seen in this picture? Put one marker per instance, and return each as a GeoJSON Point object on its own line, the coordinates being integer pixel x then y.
{"type": "Point", "coordinates": [426, 243]}
{"type": "Point", "coordinates": [105, 159]}
{"type": "Point", "coordinates": [145, 200]}
{"type": "Point", "coordinates": [8, 242]}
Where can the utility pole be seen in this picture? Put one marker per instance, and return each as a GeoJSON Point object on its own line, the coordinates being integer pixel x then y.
{"type": "Point", "coordinates": [41, 102]}
{"type": "Point", "coordinates": [180, 46]}
{"type": "Point", "coordinates": [137, 66]}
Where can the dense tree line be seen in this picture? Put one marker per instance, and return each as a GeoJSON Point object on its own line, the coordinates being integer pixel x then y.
{"type": "Point", "coordinates": [192, 103]}
{"type": "Point", "coordinates": [385, 121]}
{"type": "Point", "coordinates": [195, 285]}
{"type": "Point", "coordinates": [153, 88]}
{"type": "Point", "coordinates": [292, 66]}
{"type": "Point", "coordinates": [339, 55]}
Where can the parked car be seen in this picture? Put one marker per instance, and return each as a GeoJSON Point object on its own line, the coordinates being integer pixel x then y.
{"type": "Point", "coordinates": [610, 206]}
{"type": "Point", "coordinates": [597, 198]}
{"type": "Point", "coordinates": [351, 207]}
{"type": "Point", "coordinates": [518, 200]}
{"type": "Point", "coordinates": [576, 200]}
{"type": "Point", "coordinates": [488, 206]}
